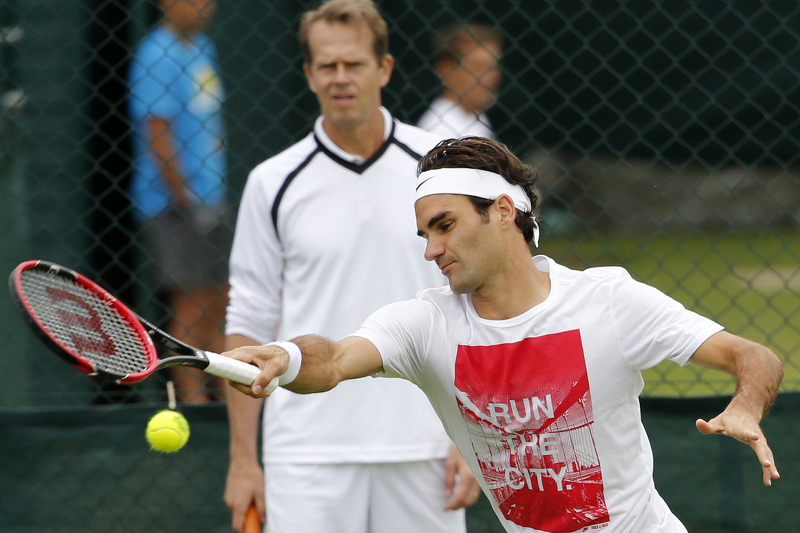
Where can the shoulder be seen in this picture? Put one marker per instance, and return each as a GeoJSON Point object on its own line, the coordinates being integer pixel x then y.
{"type": "Point", "coordinates": [603, 274]}
{"type": "Point", "coordinates": [158, 56]}
{"type": "Point", "coordinates": [608, 273]}
{"type": "Point", "coordinates": [275, 170]}
{"type": "Point", "coordinates": [157, 40]}
{"type": "Point", "coordinates": [427, 304]}
{"type": "Point", "coordinates": [415, 139]}
{"type": "Point", "coordinates": [605, 282]}
{"type": "Point", "coordinates": [616, 286]}
{"type": "Point", "coordinates": [441, 301]}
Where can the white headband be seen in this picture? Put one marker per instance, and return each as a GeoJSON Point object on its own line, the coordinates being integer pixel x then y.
{"type": "Point", "coordinates": [474, 182]}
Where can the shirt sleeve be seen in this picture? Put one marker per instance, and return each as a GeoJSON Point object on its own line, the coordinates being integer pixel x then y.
{"type": "Point", "coordinates": [653, 327]}
{"type": "Point", "coordinates": [155, 82]}
{"type": "Point", "coordinates": [400, 331]}
{"type": "Point", "coordinates": [256, 267]}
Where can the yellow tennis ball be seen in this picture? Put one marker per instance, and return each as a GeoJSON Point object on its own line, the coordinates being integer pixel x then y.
{"type": "Point", "coordinates": [167, 431]}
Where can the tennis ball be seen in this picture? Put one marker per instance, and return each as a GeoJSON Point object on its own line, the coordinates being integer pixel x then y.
{"type": "Point", "coordinates": [167, 431]}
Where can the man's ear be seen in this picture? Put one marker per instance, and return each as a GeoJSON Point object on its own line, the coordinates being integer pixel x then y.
{"type": "Point", "coordinates": [386, 65]}
{"type": "Point", "coordinates": [506, 209]}
{"type": "Point", "coordinates": [309, 79]}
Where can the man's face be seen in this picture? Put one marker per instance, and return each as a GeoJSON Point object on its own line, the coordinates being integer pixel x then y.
{"type": "Point", "coordinates": [459, 240]}
{"type": "Point", "coordinates": [344, 72]}
{"type": "Point", "coordinates": [476, 79]}
{"type": "Point", "coordinates": [190, 15]}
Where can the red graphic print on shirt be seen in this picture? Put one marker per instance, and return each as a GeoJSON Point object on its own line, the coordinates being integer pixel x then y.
{"type": "Point", "coordinates": [529, 411]}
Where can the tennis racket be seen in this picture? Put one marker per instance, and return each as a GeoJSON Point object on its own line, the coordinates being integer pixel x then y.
{"type": "Point", "coordinates": [97, 334]}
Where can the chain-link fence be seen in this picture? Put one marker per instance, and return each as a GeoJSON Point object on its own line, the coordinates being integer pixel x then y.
{"type": "Point", "coordinates": [667, 137]}
{"type": "Point", "coordinates": [667, 134]}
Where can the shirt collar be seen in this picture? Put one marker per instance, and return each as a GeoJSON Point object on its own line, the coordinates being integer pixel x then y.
{"type": "Point", "coordinates": [319, 131]}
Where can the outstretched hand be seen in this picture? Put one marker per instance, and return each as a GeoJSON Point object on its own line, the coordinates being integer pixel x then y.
{"type": "Point", "coordinates": [746, 429]}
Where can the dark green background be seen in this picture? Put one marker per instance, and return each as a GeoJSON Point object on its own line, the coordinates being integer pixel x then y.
{"type": "Point", "coordinates": [86, 471]}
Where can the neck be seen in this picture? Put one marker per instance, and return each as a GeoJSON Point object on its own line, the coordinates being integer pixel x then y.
{"type": "Point", "coordinates": [512, 292]}
{"type": "Point", "coordinates": [453, 97]}
{"type": "Point", "coordinates": [183, 33]}
{"type": "Point", "coordinates": [363, 139]}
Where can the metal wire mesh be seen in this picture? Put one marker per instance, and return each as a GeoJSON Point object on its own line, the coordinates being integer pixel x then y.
{"type": "Point", "coordinates": [667, 135]}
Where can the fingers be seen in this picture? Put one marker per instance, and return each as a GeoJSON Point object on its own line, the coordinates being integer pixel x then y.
{"type": "Point", "coordinates": [238, 512]}
{"type": "Point", "coordinates": [767, 460]}
{"type": "Point", "coordinates": [260, 390]}
{"type": "Point", "coordinates": [242, 522]}
{"type": "Point", "coordinates": [460, 482]}
{"type": "Point", "coordinates": [451, 469]}
{"type": "Point", "coordinates": [464, 494]}
{"type": "Point", "coordinates": [716, 426]}
{"type": "Point", "coordinates": [754, 439]}
{"type": "Point", "coordinates": [770, 473]}
{"type": "Point", "coordinates": [237, 520]}
{"type": "Point", "coordinates": [270, 360]}
{"type": "Point", "coordinates": [704, 427]}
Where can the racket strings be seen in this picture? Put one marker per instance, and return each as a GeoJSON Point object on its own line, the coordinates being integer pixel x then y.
{"type": "Point", "coordinates": [85, 322]}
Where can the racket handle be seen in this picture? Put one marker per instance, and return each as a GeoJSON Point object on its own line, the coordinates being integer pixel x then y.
{"type": "Point", "coordinates": [252, 524]}
{"type": "Point", "coordinates": [235, 370]}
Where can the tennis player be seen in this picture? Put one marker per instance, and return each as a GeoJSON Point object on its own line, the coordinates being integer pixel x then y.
{"type": "Point", "coordinates": [325, 236]}
{"type": "Point", "coordinates": [534, 368]}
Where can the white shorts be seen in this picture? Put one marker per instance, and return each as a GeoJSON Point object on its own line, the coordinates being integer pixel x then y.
{"type": "Point", "coordinates": [359, 498]}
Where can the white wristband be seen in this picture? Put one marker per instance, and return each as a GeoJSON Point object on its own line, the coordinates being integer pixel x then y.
{"type": "Point", "coordinates": [295, 360]}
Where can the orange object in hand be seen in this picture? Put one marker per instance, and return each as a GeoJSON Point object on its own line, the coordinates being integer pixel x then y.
{"type": "Point", "coordinates": [252, 524]}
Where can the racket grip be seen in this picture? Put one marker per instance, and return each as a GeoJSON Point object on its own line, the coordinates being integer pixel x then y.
{"type": "Point", "coordinates": [252, 524]}
{"type": "Point", "coordinates": [235, 370]}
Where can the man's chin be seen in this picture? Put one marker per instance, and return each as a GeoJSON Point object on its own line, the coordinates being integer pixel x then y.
{"type": "Point", "coordinates": [343, 116]}
{"type": "Point", "coordinates": [458, 288]}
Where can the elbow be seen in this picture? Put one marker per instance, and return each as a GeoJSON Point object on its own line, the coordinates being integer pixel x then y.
{"type": "Point", "coordinates": [779, 366]}
{"type": "Point", "coordinates": [772, 361]}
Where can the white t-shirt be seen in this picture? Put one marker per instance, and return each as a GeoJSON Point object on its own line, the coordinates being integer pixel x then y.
{"type": "Point", "coordinates": [445, 117]}
{"type": "Point", "coordinates": [545, 405]}
{"type": "Point", "coordinates": [346, 244]}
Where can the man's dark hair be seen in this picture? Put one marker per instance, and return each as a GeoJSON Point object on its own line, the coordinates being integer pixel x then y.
{"type": "Point", "coordinates": [486, 154]}
{"type": "Point", "coordinates": [347, 12]}
{"type": "Point", "coordinates": [452, 42]}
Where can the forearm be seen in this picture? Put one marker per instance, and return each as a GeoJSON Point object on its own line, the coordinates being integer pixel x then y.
{"type": "Point", "coordinates": [758, 373]}
{"type": "Point", "coordinates": [165, 153]}
{"type": "Point", "coordinates": [244, 484]}
{"type": "Point", "coordinates": [318, 372]}
{"type": "Point", "coordinates": [244, 414]}
{"type": "Point", "coordinates": [757, 370]}
{"type": "Point", "coordinates": [324, 363]}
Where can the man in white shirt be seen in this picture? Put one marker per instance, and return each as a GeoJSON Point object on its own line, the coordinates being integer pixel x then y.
{"type": "Point", "coordinates": [324, 236]}
{"type": "Point", "coordinates": [534, 368]}
{"type": "Point", "coordinates": [466, 63]}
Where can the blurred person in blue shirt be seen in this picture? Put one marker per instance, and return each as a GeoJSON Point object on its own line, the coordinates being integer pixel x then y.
{"type": "Point", "coordinates": [179, 187]}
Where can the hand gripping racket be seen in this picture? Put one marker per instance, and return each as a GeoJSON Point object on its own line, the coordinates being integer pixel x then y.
{"type": "Point", "coordinates": [100, 336]}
